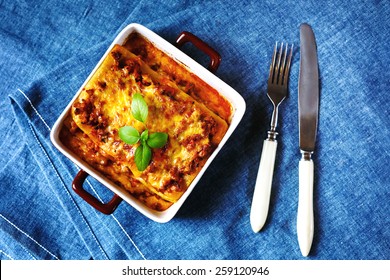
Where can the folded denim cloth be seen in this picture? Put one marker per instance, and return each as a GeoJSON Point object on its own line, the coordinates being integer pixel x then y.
{"type": "Point", "coordinates": [46, 60]}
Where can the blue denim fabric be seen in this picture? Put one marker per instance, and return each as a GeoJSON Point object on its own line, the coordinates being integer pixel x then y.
{"type": "Point", "coordinates": [48, 48]}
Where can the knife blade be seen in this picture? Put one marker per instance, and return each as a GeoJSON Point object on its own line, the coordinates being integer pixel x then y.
{"type": "Point", "coordinates": [308, 104]}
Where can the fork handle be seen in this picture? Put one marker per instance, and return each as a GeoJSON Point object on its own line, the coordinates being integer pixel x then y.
{"type": "Point", "coordinates": [305, 217]}
{"type": "Point", "coordinates": [262, 192]}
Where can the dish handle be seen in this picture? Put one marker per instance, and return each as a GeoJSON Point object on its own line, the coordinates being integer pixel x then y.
{"type": "Point", "coordinates": [215, 58]}
{"type": "Point", "coordinates": [105, 208]}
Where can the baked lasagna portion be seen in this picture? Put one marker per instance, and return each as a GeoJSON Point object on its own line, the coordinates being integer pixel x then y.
{"type": "Point", "coordinates": [104, 106]}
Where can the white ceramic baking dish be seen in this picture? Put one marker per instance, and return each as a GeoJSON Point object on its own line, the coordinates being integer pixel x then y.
{"type": "Point", "coordinates": [120, 194]}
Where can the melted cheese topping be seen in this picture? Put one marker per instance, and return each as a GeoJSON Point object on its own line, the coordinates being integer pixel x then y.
{"type": "Point", "coordinates": [104, 105]}
{"type": "Point", "coordinates": [189, 83]}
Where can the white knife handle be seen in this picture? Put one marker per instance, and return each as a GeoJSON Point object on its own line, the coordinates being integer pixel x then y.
{"type": "Point", "coordinates": [262, 192]}
{"type": "Point", "coordinates": [305, 218]}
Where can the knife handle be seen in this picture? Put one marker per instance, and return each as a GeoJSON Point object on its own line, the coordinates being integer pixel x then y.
{"type": "Point", "coordinates": [305, 217]}
{"type": "Point", "coordinates": [262, 192]}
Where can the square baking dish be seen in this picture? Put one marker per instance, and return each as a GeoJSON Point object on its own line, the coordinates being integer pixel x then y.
{"type": "Point", "coordinates": [173, 51]}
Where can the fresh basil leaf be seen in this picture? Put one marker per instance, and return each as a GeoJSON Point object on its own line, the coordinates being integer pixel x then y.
{"type": "Point", "coordinates": [143, 155]}
{"type": "Point", "coordinates": [144, 136]}
{"type": "Point", "coordinates": [139, 108]}
{"type": "Point", "coordinates": [129, 135]}
{"type": "Point", "coordinates": [157, 139]}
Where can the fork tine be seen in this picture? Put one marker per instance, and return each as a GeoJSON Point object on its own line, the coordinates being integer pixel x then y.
{"type": "Point", "coordinates": [277, 68]}
{"type": "Point", "coordinates": [281, 72]}
{"type": "Point", "coordinates": [272, 66]}
{"type": "Point", "coordinates": [287, 69]}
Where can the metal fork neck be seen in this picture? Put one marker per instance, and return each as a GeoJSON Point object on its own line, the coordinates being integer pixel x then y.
{"type": "Point", "coordinates": [274, 118]}
{"type": "Point", "coordinates": [274, 121]}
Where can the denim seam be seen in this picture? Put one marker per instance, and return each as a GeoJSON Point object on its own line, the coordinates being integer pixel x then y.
{"type": "Point", "coordinates": [116, 220]}
{"type": "Point", "coordinates": [28, 251]}
{"type": "Point", "coordinates": [28, 236]}
{"type": "Point", "coordinates": [5, 254]}
{"type": "Point", "coordinates": [25, 249]}
{"type": "Point", "coordinates": [131, 240]}
{"type": "Point", "coordinates": [36, 111]}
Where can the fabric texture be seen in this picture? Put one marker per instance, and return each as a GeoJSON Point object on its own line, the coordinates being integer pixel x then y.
{"type": "Point", "coordinates": [48, 49]}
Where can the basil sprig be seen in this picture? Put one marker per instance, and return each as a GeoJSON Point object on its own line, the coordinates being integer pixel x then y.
{"type": "Point", "coordinates": [131, 136]}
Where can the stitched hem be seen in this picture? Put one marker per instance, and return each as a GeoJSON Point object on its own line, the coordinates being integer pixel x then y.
{"type": "Point", "coordinates": [29, 237]}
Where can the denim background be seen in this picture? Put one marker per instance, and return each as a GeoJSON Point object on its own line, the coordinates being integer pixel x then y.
{"type": "Point", "coordinates": [48, 48]}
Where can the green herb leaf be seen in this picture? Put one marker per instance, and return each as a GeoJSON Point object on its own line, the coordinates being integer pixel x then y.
{"type": "Point", "coordinates": [129, 135]}
{"type": "Point", "coordinates": [157, 139]}
{"type": "Point", "coordinates": [144, 136]}
{"type": "Point", "coordinates": [139, 108]}
{"type": "Point", "coordinates": [143, 155]}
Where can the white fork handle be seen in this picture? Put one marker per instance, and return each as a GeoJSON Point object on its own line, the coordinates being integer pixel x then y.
{"type": "Point", "coordinates": [305, 218]}
{"type": "Point", "coordinates": [262, 192]}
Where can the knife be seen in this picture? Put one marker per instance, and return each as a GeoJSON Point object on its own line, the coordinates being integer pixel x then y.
{"type": "Point", "coordinates": [308, 103]}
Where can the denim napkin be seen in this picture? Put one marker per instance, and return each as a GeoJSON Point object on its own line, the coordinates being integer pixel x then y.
{"type": "Point", "coordinates": [49, 48]}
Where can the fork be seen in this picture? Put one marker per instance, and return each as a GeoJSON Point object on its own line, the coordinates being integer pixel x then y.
{"type": "Point", "coordinates": [277, 92]}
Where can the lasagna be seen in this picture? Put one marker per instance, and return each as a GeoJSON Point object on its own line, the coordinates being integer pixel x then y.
{"type": "Point", "coordinates": [194, 115]}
